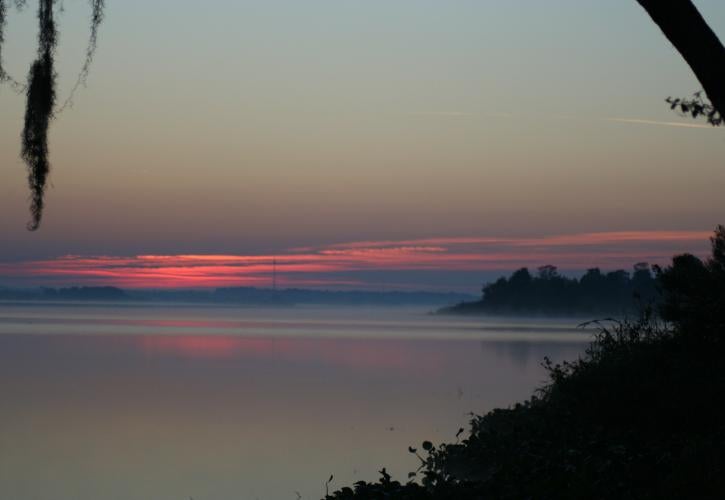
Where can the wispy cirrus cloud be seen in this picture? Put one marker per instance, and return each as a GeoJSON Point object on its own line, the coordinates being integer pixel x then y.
{"type": "Point", "coordinates": [639, 121]}
{"type": "Point", "coordinates": [332, 265]}
{"type": "Point", "coordinates": [441, 113]}
{"type": "Point", "coordinates": [578, 239]}
{"type": "Point", "coordinates": [616, 119]}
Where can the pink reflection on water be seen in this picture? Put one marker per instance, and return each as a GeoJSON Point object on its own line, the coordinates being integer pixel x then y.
{"type": "Point", "coordinates": [352, 353]}
{"type": "Point", "coordinates": [198, 346]}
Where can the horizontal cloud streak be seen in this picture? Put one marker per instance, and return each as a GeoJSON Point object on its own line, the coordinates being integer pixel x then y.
{"type": "Point", "coordinates": [580, 239]}
{"type": "Point", "coordinates": [661, 123]}
{"type": "Point", "coordinates": [331, 266]}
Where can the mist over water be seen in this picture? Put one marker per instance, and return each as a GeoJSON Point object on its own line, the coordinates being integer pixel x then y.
{"type": "Point", "coordinates": [169, 402]}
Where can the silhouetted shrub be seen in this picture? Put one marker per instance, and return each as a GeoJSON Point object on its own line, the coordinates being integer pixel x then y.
{"type": "Point", "coordinates": [694, 291]}
{"type": "Point", "coordinates": [640, 415]}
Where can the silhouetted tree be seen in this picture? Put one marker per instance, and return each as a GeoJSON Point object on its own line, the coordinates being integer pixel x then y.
{"type": "Point", "coordinates": [548, 272]}
{"type": "Point", "coordinates": [694, 291]}
{"type": "Point", "coordinates": [686, 29]}
{"type": "Point", "coordinates": [640, 415]}
{"type": "Point", "coordinates": [642, 283]}
{"type": "Point", "coordinates": [551, 293]}
{"type": "Point", "coordinates": [41, 95]}
{"type": "Point", "coordinates": [521, 278]}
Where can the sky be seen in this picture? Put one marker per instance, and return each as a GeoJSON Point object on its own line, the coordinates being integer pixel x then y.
{"type": "Point", "coordinates": [431, 137]}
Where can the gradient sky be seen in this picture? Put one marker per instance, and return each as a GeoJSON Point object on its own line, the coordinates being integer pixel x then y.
{"type": "Point", "coordinates": [256, 128]}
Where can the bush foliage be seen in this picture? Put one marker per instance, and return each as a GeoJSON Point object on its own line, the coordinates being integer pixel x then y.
{"type": "Point", "coordinates": [640, 415]}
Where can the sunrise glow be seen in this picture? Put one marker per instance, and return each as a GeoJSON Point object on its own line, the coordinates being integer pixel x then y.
{"type": "Point", "coordinates": [328, 266]}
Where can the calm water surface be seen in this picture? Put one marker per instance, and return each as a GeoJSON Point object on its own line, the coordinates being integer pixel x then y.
{"type": "Point", "coordinates": [214, 403]}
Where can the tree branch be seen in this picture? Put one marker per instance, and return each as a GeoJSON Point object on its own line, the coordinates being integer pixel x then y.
{"type": "Point", "coordinates": [686, 29]}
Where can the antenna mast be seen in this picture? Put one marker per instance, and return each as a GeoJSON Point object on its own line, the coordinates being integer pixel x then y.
{"type": "Point", "coordinates": [274, 274]}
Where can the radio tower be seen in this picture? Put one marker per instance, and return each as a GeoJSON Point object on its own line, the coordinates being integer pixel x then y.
{"type": "Point", "coordinates": [274, 274]}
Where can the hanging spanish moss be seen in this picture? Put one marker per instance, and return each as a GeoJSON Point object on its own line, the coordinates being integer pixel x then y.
{"type": "Point", "coordinates": [39, 112]}
{"type": "Point", "coordinates": [3, 17]}
{"type": "Point", "coordinates": [41, 94]}
{"type": "Point", "coordinates": [4, 76]}
{"type": "Point", "coordinates": [96, 18]}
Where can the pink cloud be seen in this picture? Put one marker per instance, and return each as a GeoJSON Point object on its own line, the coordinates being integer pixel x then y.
{"type": "Point", "coordinates": [583, 239]}
{"type": "Point", "coordinates": [323, 266]}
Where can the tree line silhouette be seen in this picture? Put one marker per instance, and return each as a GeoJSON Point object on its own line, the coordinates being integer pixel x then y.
{"type": "Point", "coordinates": [641, 415]}
{"type": "Point", "coordinates": [549, 292]}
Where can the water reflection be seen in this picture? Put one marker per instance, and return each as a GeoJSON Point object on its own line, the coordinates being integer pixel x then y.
{"type": "Point", "coordinates": [135, 416]}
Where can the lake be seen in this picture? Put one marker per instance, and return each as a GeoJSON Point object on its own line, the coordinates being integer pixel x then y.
{"type": "Point", "coordinates": [171, 402]}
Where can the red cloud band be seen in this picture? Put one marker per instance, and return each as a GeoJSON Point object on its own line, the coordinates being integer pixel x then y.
{"type": "Point", "coordinates": [323, 266]}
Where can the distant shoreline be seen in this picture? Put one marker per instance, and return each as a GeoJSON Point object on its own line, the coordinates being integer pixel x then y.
{"type": "Point", "coordinates": [238, 297]}
{"type": "Point", "coordinates": [547, 293]}
{"type": "Point", "coordinates": [479, 309]}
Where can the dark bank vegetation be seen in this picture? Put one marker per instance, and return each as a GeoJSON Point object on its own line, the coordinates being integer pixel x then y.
{"type": "Point", "coordinates": [640, 415]}
{"type": "Point", "coordinates": [242, 296]}
{"type": "Point", "coordinates": [548, 292]}
{"type": "Point", "coordinates": [85, 293]}
{"type": "Point", "coordinates": [301, 296]}
{"type": "Point", "coordinates": [74, 293]}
